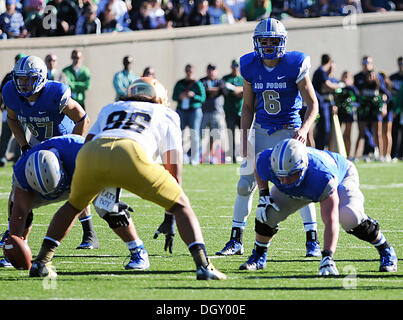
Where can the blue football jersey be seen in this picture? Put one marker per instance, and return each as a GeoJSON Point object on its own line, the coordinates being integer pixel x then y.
{"type": "Point", "coordinates": [325, 172]}
{"type": "Point", "coordinates": [67, 146]}
{"type": "Point", "coordinates": [278, 100]}
{"type": "Point", "coordinates": [44, 118]}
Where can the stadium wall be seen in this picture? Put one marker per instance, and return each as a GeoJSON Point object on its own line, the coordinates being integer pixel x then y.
{"type": "Point", "coordinates": [347, 39]}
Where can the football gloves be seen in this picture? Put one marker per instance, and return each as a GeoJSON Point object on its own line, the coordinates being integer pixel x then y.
{"type": "Point", "coordinates": [167, 228]}
{"type": "Point", "coordinates": [265, 202]}
{"type": "Point", "coordinates": [327, 267]}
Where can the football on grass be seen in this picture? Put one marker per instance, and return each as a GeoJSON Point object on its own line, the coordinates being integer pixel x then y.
{"type": "Point", "coordinates": [17, 251]}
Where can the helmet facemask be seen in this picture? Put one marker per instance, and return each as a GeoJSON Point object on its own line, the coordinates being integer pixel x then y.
{"type": "Point", "coordinates": [29, 75]}
{"type": "Point", "coordinates": [270, 29]}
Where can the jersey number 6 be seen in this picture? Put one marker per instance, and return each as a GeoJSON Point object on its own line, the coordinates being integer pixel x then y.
{"type": "Point", "coordinates": [271, 103]}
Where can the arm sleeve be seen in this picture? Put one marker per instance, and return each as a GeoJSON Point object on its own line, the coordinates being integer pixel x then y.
{"type": "Point", "coordinates": [304, 69]}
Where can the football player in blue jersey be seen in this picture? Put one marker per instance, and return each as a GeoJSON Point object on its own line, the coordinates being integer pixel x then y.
{"type": "Point", "coordinates": [302, 175]}
{"type": "Point", "coordinates": [275, 84]}
{"type": "Point", "coordinates": [45, 108]}
{"type": "Point", "coordinates": [43, 176]}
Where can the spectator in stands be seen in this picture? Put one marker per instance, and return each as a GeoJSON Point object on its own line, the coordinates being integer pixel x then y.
{"type": "Point", "coordinates": [300, 8]}
{"type": "Point", "coordinates": [141, 20]}
{"type": "Point", "coordinates": [12, 22]}
{"type": "Point", "coordinates": [220, 13]}
{"type": "Point", "coordinates": [378, 5]}
{"type": "Point", "coordinates": [120, 11]}
{"type": "Point", "coordinates": [88, 22]}
{"type": "Point", "coordinates": [326, 8]}
{"type": "Point", "coordinates": [257, 9]}
{"type": "Point", "coordinates": [397, 128]}
{"type": "Point", "coordinates": [199, 15]}
{"type": "Point", "coordinates": [237, 8]}
{"type": "Point", "coordinates": [124, 78]}
{"type": "Point", "coordinates": [157, 15]}
{"type": "Point", "coordinates": [233, 99]}
{"type": "Point", "coordinates": [190, 95]}
{"type": "Point", "coordinates": [108, 21]}
{"type": "Point", "coordinates": [53, 73]}
{"type": "Point", "coordinates": [67, 14]}
{"type": "Point", "coordinates": [213, 113]}
{"type": "Point", "coordinates": [78, 77]}
{"type": "Point", "coordinates": [33, 12]}
{"type": "Point", "coordinates": [176, 16]}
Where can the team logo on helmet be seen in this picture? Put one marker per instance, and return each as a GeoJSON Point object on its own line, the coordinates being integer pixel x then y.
{"type": "Point", "coordinates": [44, 173]}
{"type": "Point", "coordinates": [289, 157]}
{"type": "Point", "coordinates": [149, 88]}
{"type": "Point", "coordinates": [270, 29]}
{"type": "Point", "coordinates": [29, 75]}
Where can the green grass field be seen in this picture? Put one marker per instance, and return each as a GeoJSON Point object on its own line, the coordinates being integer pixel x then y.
{"type": "Point", "coordinates": [99, 274]}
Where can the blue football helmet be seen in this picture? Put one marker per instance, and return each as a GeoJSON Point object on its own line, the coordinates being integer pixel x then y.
{"type": "Point", "coordinates": [289, 157]}
{"type": "Point", "coordinates": [30, 75]}
{"type": "Point", "coordinates": [44, 173]}
{"type": "Point", "coordinates": [270, 28]}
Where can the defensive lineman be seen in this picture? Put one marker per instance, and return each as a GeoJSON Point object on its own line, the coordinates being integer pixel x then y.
{"type": "Point", "coordinates": [302, 175]}
{"type": "Point", "coordinates": [275, 84]}
{"type": "Point", "coordinates": [122, 146]}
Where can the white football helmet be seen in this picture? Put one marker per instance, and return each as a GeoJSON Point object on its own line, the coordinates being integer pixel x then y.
{"type": "Point", "coordinates": [30, 75]}
{"type": "Point", "coordinates": [44, 173]}
{"type": "Point", "coordinates": [289, 157]}
{"type": "Point", "coordinates": [149, 88]}
{"type": "Point", "coordinates": [270, 28]}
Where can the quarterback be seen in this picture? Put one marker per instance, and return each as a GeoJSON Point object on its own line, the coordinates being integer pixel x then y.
{"type": "Point", "coordinates": [123, 145]}
{"type": "Point", "coordinates": [275, 82]}
{"type": "Point", "coordinates": [302, 175]}
{"type": "Point", "coordinates": [42, 106]}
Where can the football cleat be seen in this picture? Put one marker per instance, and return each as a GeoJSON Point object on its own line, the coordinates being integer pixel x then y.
{"type": "Point", "coordinates": [327, 267]}
{"type": "Point", "coordinates": [4, 263]}
{"type": "Point", "coordinates": [138, 259]}
{"type": "Point", "coordinates": [312, 249]}
{"type": "Point", "coordinates": [42, 270]}
{"type": "Point", "coordinates": [255, 262]}
{"type": "Point", "coordinates": [4, 236]}
{"type": "Point", "coordinates": [388, 260]}
{"type": "Point", "coordinates": [89, 242]}
{"type": "Point", "coordinates": [231, 248]}
{"type": "Point", "coordinates": [209, 273]}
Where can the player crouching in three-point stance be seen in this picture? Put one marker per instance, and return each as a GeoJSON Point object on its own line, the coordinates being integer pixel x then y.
{"type": "Point", "coordinates": [302, 175]}
{"type": "Point", "coordinates": [119, 153]}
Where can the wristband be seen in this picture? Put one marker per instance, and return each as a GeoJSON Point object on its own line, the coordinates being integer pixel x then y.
{"type": "Point", "coordinates": [25, 148]}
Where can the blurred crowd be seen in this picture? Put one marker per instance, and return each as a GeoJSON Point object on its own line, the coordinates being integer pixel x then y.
{"type": "Point", "coordinates": [44, 18]}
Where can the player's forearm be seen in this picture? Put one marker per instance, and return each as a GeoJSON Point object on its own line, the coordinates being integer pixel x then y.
{"type": "Point", "coordinates": [330, 217]}
{"type": "Point", "coordinates": [310, 114]}
{"type": "Point", "coordinates": [81, 127]}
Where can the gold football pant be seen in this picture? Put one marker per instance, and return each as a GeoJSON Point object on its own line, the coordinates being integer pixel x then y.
{"type": "Point", "coordinates": [119, 162]}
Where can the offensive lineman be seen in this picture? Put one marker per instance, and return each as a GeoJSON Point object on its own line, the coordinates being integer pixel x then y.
{"type": "Point", "coordinates": [46, 108]}
{"type": "Point", "coordinates": [123, 144]}
{"type": "Point", "coordinates": [275, 83]}
{"type": "Point", "coordinates": [302, 175]}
